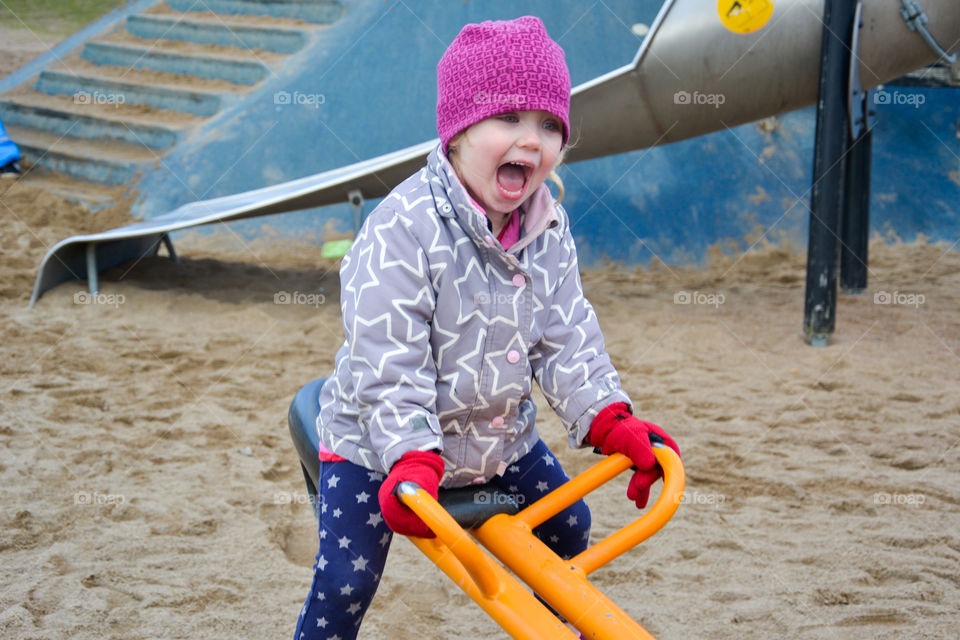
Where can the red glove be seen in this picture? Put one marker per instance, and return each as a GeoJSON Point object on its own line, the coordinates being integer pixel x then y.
{"type": "Point", "coordinates": [615, 430]}
{"type": "Point", "coordinates": [423, 467]}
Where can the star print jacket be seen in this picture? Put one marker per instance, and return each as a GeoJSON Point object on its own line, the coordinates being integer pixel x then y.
{"type": "Point", "coordinates": [445, 332]}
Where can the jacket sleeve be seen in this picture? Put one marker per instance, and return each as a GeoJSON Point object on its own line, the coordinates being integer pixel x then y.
{"type": "Point", "coordinates": [388, 302]}
{"type": "Point", "coordinates": [570, 362]}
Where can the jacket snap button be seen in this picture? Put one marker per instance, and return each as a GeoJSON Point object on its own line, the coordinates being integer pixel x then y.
{"type": "Point", "coordinates": [497, 421]}
{"type": "Point", "coordinates": [518, 280]}
{"type": "Point", "coordinates": [513, 356]}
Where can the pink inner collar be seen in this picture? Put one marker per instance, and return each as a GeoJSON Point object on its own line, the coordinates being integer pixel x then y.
{"type": "Point", "coordinates": [510, 234]}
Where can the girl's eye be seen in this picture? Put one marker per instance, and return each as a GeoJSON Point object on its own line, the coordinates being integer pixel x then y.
{"type": "Point", "coordinates": [551, 125]}
{"type": "Point", "coordinates": [509, 117]}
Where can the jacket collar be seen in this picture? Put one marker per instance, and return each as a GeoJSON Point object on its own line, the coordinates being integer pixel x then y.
{"type": "Point", "coordinates": [539, 211]}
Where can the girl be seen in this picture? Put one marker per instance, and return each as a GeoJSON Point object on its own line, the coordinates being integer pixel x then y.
{"type": "Point", "coordinates": [461, 288]}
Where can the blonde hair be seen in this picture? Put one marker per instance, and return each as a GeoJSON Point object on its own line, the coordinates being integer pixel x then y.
{"type": "Point", "coordinates": [552, 176]}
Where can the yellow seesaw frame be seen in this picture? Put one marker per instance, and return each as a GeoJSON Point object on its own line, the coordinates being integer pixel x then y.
{"type": "Point", "coordinates": [561, 583]}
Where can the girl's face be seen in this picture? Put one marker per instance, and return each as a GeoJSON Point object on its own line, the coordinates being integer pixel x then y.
{"type": "Point", "coordinates": [502, 160]}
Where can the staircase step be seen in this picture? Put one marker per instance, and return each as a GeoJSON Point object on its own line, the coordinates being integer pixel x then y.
{"type": "Point", "coordinates": [74, 65]}
{"type": "Point", "coordinates": [196, 102]}
{"type": "Point", "coordinates": [106, 163]}
{"type": "Point", "coordinates": [218, 33]}
{"type": "Point", "coordinates": [321, 11]}
{"type": "Point", "coordinates": [69, 121]}
{"type": "Point", "coordinates": [246, 72]}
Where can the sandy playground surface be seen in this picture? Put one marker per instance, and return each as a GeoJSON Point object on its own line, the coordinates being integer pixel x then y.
{"type": "Point", "coordinates": [150, 488]}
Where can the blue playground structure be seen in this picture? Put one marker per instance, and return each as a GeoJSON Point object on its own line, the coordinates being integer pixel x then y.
{"type": "Point", "coordinates": [691, 128]}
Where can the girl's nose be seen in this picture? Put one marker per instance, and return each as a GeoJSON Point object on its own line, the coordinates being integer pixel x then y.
{"type": "Point", "coordinates": [529, 138]}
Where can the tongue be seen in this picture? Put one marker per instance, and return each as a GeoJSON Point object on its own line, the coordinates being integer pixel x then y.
{"type": "Point", "coordinates": [510, 177]}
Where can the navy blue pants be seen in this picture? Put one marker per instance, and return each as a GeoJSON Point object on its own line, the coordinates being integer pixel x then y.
{"type": "Point", "coordinates": [354, 539]}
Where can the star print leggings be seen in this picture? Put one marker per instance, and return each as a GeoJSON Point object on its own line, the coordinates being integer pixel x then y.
{"type": "Point", "coordinates": [354, 539]}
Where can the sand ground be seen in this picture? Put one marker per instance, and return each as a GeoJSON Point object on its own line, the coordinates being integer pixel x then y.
{"type": "Point", "coordinates": [150, 488]}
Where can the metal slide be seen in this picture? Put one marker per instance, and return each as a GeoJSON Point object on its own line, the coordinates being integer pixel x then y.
{"type": "Point", "coordinates": [757, 59]}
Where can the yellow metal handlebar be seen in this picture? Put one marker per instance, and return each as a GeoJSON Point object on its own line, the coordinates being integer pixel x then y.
{"type": "Point", "coordinates": [561, 583]}
{"type": "Point", "coordinates": [478, 563]}
{"type": "Point", "coordinates": [674, 480]}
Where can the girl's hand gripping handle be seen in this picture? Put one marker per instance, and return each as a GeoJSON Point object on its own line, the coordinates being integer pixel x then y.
{"type": "Point", "coordinates": [424, 468]}
{"type": "Point", "coordinates": [616, 430]}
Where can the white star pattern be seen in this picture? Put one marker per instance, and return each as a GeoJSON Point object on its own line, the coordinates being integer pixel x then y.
{"type": "Point", "coordinates": [548, 460]}
{"type": "Point", "coordinates": [321, 563]}
{"type": "Point", "coordinates": [572, 521]}
{"type": "Point", "coordinates": [375, 518]}
{"type": "Point", "coordinates": [344, 542]}
{"type": "Point", "coordinates": [353, 608]}
{"type": "Point", "coordinates": [322, 623]}
{"type": "Point", "coordinates": [337, 512]}
{"type": "Point", "coordinates": [360, 564]}
{"type": "Point", "coordinates": [332, 482]}
{"type": "Point", "coordinates": [431, 311]}
{"type": "Point", "coordinates": [384, 540]}
{"type": "Point", "coordinates": [346, 590]}
{"type": "Point", "coordinates": [542, 486]}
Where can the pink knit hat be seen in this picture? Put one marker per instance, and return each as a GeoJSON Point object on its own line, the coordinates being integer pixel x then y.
{"type": "Point", "coordinates": [499, 66]}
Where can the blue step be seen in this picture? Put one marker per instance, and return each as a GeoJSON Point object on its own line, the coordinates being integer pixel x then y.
{"type": "Point", "coordinates": [195, 102]}
{"type": "Point", "coordinates": [321, 11]}
{"type": "Point", "coordinates": [74, 125]}
{"type": "Point", "coordinates": [83, 160]}
{"type": "Point", "coordinates": [202, 32]}
{"type": "Point", "coordinates": [89, 169]}
{"type": "Point", "coordinates": [215, 67]}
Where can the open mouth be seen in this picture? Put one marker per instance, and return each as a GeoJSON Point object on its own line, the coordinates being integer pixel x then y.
{"type": "Point", "coordinates": [512, 179]}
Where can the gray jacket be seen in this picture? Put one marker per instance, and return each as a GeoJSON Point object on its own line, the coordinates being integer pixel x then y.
{"type": "Point", "coordinates": [445, 331]}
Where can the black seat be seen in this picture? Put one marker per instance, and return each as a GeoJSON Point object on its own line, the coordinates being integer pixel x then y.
{"type": "Point", "coordinates": [470, 506]}
{"type": "Point", "coordinates": [302, 419]}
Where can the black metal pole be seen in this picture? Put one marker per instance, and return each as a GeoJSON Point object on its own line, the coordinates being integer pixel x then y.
{"type": "Point", "coordinates": [820, 301]}
{"type": "Point", "coordinates": [856, 216]}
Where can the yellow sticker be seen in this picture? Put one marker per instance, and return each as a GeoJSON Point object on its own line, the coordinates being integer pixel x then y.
{"type": "Point", "coordinates": [744, 16]}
